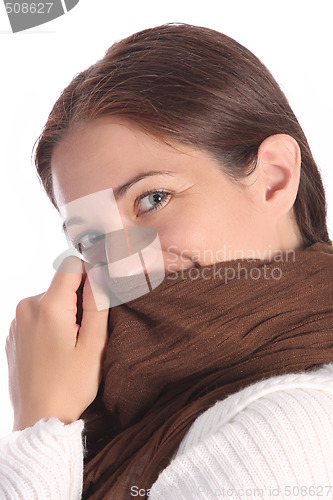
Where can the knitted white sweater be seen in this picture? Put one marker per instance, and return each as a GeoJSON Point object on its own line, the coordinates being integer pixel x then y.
{"type": "Point", "coordinates": [272, 439]}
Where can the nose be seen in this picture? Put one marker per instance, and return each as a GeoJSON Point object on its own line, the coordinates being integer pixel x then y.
{"type": "Point", "coordinates": [117, 246]}
{"type": "Point", "coordinates": [130, 250]}
{"type": "Point", "coordinates": [120, 258]}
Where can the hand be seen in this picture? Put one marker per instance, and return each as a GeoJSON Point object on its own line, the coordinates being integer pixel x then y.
{"type": "Point", "coordinates": [54, 364]}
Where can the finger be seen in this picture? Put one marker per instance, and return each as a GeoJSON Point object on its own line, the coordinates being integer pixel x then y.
{"type": "Point", "coordinates": [12, 327]}
{"type": "Point", "coordinates": [65, 283]}
{"type": "Point", "coordinates": [94, 326]}
{"type": "Point", "coordinates": [10, 345]}
{"type": "Point", "coordinates": [10, 339]}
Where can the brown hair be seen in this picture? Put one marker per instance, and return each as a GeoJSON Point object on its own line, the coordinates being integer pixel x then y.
{"type": "Point", "coordinates": [199, 87]}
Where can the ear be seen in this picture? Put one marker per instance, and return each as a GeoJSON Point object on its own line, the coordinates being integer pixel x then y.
{"type": "Point", "coordinates": [279, 168]}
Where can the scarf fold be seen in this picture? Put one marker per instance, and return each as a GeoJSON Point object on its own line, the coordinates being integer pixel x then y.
{"type": "Point", "coordinates": [201, 335]}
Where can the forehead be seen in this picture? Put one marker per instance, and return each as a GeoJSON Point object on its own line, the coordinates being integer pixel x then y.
{"type": "Point", "coordinates": [104, 153]}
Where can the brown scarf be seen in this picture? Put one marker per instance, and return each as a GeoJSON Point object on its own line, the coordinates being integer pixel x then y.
{"type": "Point", "coordinates": [195, 339]}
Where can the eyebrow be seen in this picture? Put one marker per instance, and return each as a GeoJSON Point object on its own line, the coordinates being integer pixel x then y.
{"type": "Point", "coordinates": [119, 193]}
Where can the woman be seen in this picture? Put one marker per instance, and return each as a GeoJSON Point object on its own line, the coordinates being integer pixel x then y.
{"type": "Point", "coordinates": [217, 381]}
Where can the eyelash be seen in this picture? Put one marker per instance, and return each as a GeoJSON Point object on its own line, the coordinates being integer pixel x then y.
{"type": "Point", "coordinates": [147, 193]}
{"type": "Point", "coordinates": [75, 245]}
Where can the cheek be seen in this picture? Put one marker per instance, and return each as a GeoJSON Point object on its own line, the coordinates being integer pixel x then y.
{"type": "Point", "coordinates": [188, 239]}
{"type": "Point", "coordinates": [175, 236]}
{"type": "Point", "coordinates": [203, 227]}
{"type": "Point", "coordinates": [194, 228]}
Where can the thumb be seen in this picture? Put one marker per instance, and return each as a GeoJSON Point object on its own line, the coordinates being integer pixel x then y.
{"type": "Point", "coordinates": [66, 281]}
{"type": "Point", "coordinates": [93, 332]}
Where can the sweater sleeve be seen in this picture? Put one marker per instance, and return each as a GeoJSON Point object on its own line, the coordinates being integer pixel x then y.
{"type": "Point", "coordinates": [43, 462]}
{"type": "Point", "coordinates": [280, 445]}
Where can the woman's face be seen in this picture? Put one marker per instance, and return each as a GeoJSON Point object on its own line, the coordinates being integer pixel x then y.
{"type": "Point", "coordinates": [200, 216]}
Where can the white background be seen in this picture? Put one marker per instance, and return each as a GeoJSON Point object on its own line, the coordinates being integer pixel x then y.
{"type": "Point", "coordinates": [294, 39]}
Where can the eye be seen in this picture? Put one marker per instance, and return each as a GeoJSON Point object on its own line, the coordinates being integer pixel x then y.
{"type": "Point", "coordinates": [87, 241]}
{"type": "Point", "coordinates": [152, 200]}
